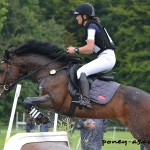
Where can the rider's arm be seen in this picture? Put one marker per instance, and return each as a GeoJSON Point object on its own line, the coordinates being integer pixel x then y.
{"type": "Point", "coordinates": [88, 48]}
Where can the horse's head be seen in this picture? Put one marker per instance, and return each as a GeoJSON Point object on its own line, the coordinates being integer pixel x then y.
{"type": "Point", "coordinates": [9, 72]}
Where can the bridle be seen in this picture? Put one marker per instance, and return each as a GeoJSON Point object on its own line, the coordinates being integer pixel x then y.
{"type": "Point", "coordinates": [8, 87]}
{"type": "Point", "coordinates": [4, 84]}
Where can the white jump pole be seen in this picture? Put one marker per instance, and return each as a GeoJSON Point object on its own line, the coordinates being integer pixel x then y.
{"type": "Point", "coordinates": [55, 122]}
{"type": "Point", "coordinates": [17, 94]}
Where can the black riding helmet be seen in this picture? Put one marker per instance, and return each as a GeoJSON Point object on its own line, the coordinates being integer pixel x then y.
{"type": "Point", "coordinates": [85, 9]}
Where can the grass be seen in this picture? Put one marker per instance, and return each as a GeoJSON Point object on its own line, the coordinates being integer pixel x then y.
{"type": "Point", "coordinates": [3, 133]}
{"type": "Point", "coordinates": [123, 140]}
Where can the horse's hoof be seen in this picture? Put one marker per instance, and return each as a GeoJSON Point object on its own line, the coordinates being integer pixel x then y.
{"type": "Point", "coordinates": [41, 120]}
{"type": "Point", "coordinates": [38, 119]}
{"type": "Point", "coordinates": [45, 120]}
{"type": "Point", "coordinates": [38, 122]}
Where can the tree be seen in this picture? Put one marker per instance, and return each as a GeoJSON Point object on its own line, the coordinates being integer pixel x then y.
{"type": "Point", "coordinates": [127, 21]}
{"type": "Point", "coordinates": [3, 12]}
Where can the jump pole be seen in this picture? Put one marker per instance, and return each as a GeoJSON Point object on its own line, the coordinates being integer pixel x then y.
{"type": "Point", "coordinates": [17, 94]}
{"type": "Point", "coordinates": [55, 122]}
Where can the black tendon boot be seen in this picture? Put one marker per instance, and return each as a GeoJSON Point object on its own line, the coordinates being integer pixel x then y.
{"type": "Point", "coordinates": [85, 91]}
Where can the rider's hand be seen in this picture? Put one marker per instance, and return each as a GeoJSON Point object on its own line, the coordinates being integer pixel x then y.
{"type": "Point", "coordinates": [70, 49]}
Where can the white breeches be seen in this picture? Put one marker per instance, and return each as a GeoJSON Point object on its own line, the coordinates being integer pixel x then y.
{"type": "Point", "coordinates": [105, 62]}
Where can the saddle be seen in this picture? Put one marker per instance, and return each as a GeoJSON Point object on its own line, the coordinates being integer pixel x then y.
{"type": "Point", "coordinates": [102, 85]}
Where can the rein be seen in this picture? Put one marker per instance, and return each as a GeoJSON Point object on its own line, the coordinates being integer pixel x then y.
{"type": "Point", "coordinates": [51, 73]}
{"type": "Point", "coordinates": [11, 85]}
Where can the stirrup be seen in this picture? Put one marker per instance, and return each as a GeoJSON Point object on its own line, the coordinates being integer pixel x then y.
{"type": "Point", "coordinates": [77, 102]}
{"type": "Point", "coordinates": [85, 103]}
{"type": "Point", "coordinates": [80, 101]}
{"type": "Point", "coordinates": [88, 106]}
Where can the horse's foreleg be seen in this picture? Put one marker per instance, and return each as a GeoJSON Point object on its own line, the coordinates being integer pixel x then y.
{"type": "Point", "coordinates": [40, 101]}
{"type": "Point", "coordinates": [37, 100]}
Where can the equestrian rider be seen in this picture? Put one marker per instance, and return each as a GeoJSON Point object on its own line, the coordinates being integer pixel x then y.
{"type": "Point", "coordinates": [97, 41]}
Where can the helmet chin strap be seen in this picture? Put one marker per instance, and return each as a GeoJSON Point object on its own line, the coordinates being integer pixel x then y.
{"type": "Point", "coordinates": [83, 20]}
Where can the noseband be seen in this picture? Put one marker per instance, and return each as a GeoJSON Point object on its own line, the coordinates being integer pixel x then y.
{"type": "Point", "coordinates": [6, 86]}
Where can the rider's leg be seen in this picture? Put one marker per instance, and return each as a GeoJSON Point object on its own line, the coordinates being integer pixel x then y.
{"type": "Point", "coordinates": [85, 90]}
{"type": "Point", "coordinates": [103, 63]}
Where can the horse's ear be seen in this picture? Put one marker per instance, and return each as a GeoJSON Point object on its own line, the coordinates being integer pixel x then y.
{"type": "Point", "coordinates": [6, 54]}
{"type": "Point", "coordinates": [9, 53]}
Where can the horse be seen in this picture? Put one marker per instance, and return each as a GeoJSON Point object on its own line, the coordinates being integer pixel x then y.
{"type": "Point", "coordinates": [48, 65]}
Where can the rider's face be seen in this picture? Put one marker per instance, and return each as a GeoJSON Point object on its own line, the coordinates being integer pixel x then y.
{"type": "Point", "coordinates": [80, 19]}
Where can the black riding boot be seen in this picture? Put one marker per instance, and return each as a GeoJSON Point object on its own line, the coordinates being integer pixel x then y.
{"type": "Point", "coordinates": [85, 91]}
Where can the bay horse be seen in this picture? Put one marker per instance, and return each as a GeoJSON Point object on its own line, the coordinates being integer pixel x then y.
{"type": "Point", "coordinates": [48, 65]}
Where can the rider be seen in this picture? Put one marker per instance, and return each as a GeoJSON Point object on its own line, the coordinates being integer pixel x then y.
{"type": "Point", "coordinates": [97, 41]}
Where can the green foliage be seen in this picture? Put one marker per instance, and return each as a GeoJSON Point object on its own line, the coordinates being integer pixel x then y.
{"type": "Point", "coordinates": [3, 12]}
{"type": "Point", "coordinates": [25, 22]}
{"type": "Point", "coordinates": [65, 126]}
{"type": "Point", "coordinates": [132, 35]}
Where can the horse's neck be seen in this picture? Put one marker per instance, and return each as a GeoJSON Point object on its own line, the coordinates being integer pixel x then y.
{"type": "Point", "coordinates": [31, 62]}
{"type": "Point", "coordinates": [34, 62]}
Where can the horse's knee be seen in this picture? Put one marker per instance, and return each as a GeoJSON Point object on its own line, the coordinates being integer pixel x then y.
{"type": "Point", "coordinates": [28, 103]}
{"type": "Point", "coordinates": [29, 100]}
